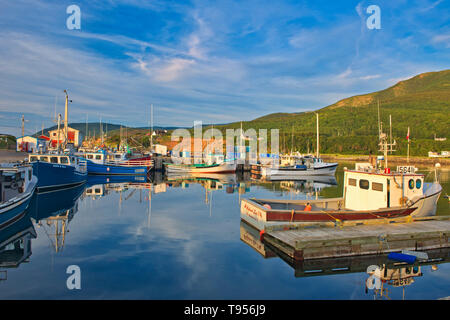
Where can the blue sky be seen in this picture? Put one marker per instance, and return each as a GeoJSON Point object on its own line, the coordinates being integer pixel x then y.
{"type": "Point", "coordinates": [214, 61]}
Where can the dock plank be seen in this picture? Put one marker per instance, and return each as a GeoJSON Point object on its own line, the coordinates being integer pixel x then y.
{"type": "Point", "coordinates": [362, 239]}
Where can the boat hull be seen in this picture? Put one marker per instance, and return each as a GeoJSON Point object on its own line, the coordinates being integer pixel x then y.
{"type": "Point", "coordinates": [332, 214]}
{"type": "Point", "coordinates": [57, 176]}
{"type": "Point", "coordinates": [112, 169]}
{"type": "Point", "coordinates": [427, 205]}
{"type": "Point", "coordinates": [13, 212]}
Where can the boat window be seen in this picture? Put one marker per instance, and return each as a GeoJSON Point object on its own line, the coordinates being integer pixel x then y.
{"type": "Point", "coordinates": [407, 270]}
{"type": "Point", "coordinates": [98, 157]}
{"type": "Point", "coordinates": [117, 156]}
{"type": "Point", "coordinates": [33, 158]}
{"type": "Point", "coordinates": [30, 174]}
{"type": "Point", "coordinates": [418, 183]}
{"type": "Point", "coordinates": [377, 186]}
{"type": "Point", "coordinates": [415, 269]}
{"type": "Point", "coordinates": [63, 160]}
{"type": "Point", "coordinates": [351, 182]}
{"type": "Point", "coordinates": [44, 159]}
{"type": "Point", "coordinates": [90, 156]}
{"type": "Point", "coordinates": [364, 184]}
{"type": "Point", "coordinates": [88, 191]}
{"type": "Point", "coordinates": [411, 184]}
{"type": "Point", "coordinates": [54, 159]}
{"type": "Point", "coordinates": [97, 190]}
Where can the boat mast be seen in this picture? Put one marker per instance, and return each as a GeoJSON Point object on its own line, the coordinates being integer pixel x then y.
{"type": "Point", "coordinates": [66, 116]}
{"type": "Point", "coordinates": [59, 131]}
{"type": "Point", "coordinates": [151, 127]}
{"type": "Point", "coordinates": [292, 139]}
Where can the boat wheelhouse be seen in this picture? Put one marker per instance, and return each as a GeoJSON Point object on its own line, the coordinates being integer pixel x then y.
{"type": "Point", "coordinates": [56, 171]}
{"type": "Point", "coordinates": [369, 193]}
{"type": "Point", "coordinates": [17, 185]}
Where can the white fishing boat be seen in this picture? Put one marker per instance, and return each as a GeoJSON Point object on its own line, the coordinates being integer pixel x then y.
{"type": "Point", "coordinates": [296, 165]}
{"type": "Point", "coordinates": [305, 166]}
{"type": "Point", "coordinates": [369, 193]}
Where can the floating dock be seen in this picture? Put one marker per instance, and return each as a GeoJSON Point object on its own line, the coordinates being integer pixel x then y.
{"type": "Point", "coordinates": [301, 241]}
{"type": "Point", "coordinates": [332, 266]}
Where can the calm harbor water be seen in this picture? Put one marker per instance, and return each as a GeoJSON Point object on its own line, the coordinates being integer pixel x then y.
{"type": "Point", "coordinates": [181, 239]}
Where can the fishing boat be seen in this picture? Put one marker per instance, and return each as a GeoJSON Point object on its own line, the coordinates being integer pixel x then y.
{"type": "Point", "coordinates": [17, 185]}
{"type": "Point", "coordinates": [301, 167]}
{"type": "Point", "coordinates": [227, 166]}
{"type": "Point", "coordinates": [102, 162]}
{"type": "Point", "coordinates": [295, 165]}
{"type": "Point", "coordinates": [368, 194]}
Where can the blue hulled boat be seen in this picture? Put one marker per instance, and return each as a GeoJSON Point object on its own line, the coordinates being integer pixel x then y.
{"type": "Point", "coordinates": [17, 185]}
{"type": "Point", "coordinates": [104, 163]}
{"type": "Point", "coordinates": [58, 171]}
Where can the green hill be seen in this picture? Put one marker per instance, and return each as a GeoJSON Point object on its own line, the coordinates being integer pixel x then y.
{"type": "Point", "coordinates": [350, 126]}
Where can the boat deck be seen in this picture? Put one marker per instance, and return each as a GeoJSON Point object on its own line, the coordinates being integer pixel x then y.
{"type": "Point", "coordinates": [302, 242]}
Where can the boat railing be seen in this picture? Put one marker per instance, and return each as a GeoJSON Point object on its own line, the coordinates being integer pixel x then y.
{"type": "Point", "coordinates": [132, 163]}
{"type": "Point", "coordinates": [82, 163]}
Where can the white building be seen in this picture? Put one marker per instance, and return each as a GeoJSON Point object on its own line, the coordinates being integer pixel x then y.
{"type": "Point", "coordinates": [30, 144]}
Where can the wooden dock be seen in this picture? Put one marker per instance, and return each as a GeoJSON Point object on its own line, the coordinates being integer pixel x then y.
{"type": "Point", "coordinates": [307, 241]}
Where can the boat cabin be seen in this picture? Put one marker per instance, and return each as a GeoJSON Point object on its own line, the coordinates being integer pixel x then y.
{"type": "Point", "coordinates": [103, 157]}
{"type": "Point", "coordinates": [368, 189]}
{"type": "Point", "coordinates": [14, 181]}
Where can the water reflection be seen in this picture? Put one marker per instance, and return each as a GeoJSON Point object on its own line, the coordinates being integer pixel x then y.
{"type": "Point", "coordinates": [15, 245]}
{"type": "Point", "coordinates": [383, 274]}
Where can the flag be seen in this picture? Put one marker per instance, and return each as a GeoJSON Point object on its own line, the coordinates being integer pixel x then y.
{"type": "Point", "coordinates": [407, 136]}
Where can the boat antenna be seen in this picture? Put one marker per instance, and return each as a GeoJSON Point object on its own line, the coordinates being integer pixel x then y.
{"type": "Point", "coordinates": [379, 124]}
{"type": "Point", "coordinates": [317, 119]}
{"type": "Point", "coordinates": [66, 117]}
{"type": "Point", "coordinates": [292, 139]}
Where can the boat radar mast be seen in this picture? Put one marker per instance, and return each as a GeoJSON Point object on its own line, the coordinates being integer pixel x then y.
{"type": "Point", "coordinates": [385, 143]}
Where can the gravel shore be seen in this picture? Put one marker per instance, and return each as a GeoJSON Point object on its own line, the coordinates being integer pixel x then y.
{"type": "Point", "coordinates": [12, 156]}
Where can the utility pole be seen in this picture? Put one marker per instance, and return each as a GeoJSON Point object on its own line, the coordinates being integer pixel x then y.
{"type": "Point", "coordinates": [23, 126]}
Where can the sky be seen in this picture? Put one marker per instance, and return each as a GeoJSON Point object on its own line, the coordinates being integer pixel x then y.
{"type": "Point", "coordinates": [209, 61]}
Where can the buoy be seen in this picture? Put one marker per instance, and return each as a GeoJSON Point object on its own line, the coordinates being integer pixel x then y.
{"type": "Point", "coordinates": [402, 257]}
{"type": "Point", "coordinates": [261, 235]}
